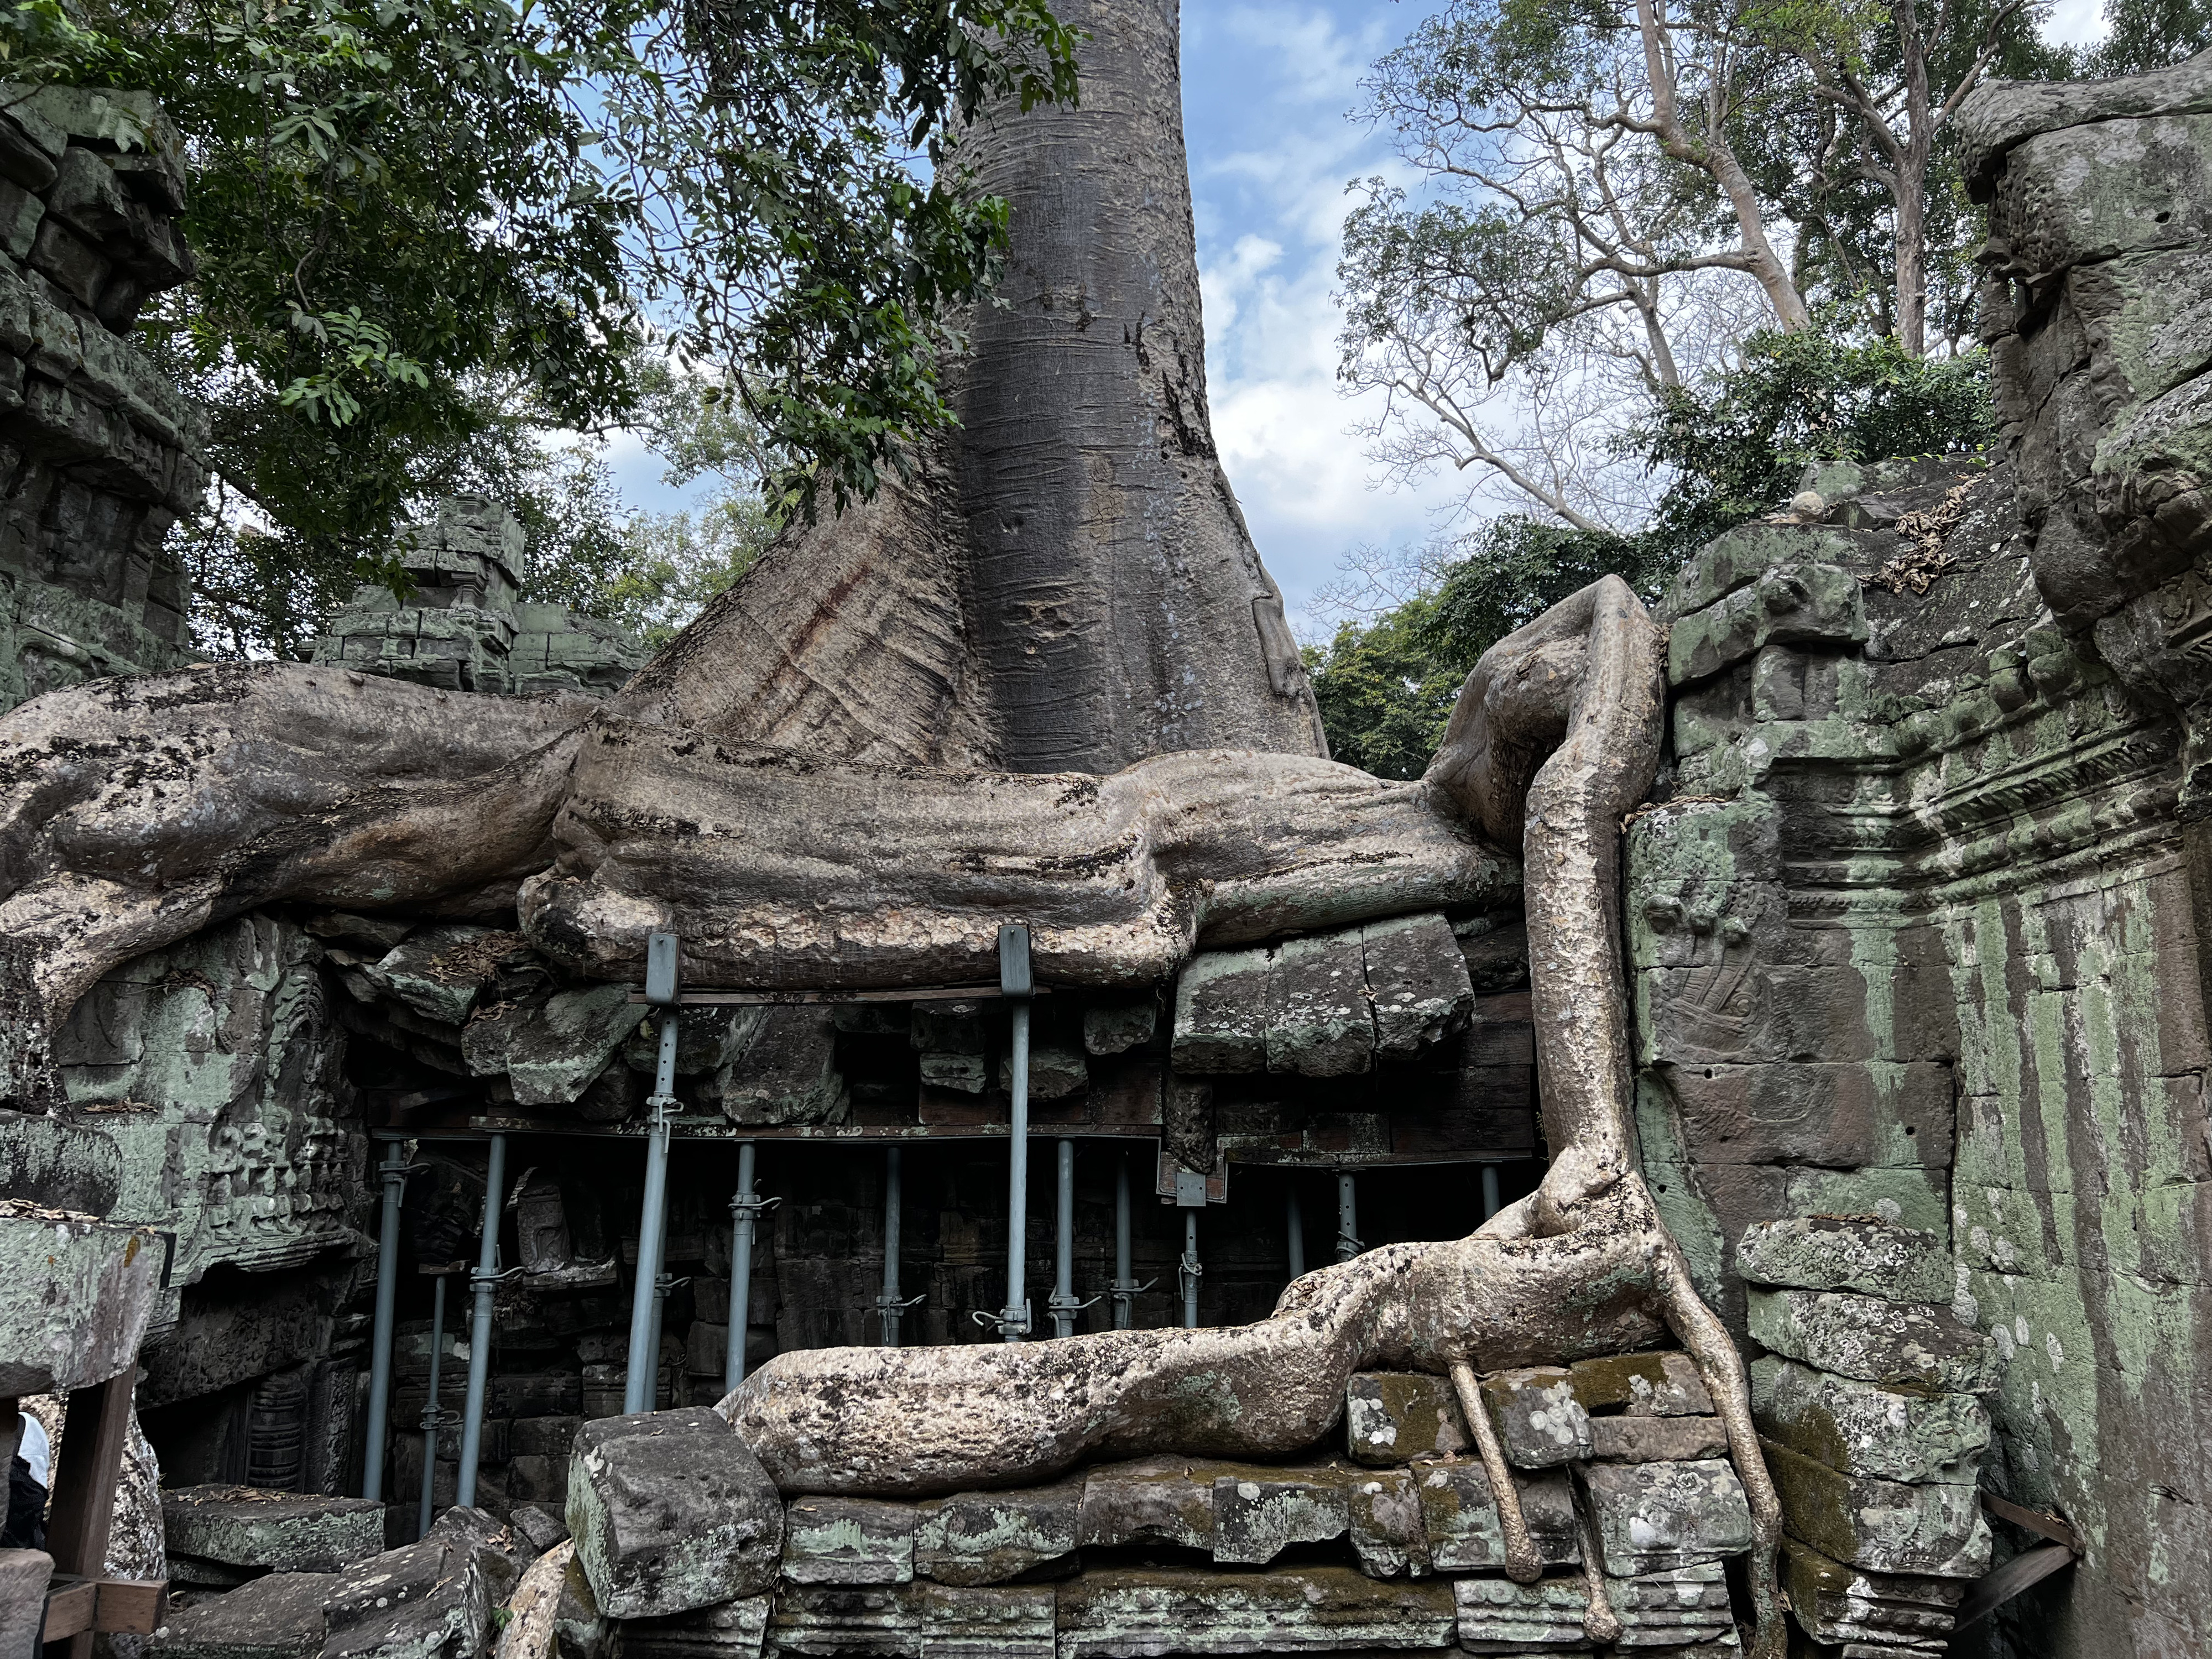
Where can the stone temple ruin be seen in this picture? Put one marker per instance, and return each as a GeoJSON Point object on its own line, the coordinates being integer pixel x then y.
{"type": "Point", "coordinates": [1718, 1162]}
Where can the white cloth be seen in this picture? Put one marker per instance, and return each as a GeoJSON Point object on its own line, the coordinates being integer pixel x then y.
{"type": "Point", "coordinates": [36, 1451]}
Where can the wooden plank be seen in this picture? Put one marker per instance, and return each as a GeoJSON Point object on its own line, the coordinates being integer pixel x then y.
{"type": "Point", "coordinates": [2036, 1521]}
{"type": "Point", "coordinates": [85, 1474]}
{"type": "Point", "coordinates": [70, 1608]}
{"type": "Point", "coordinates": [1991, 1593]}
{"type": "Point", "coordinates": [130, 1606]}
{"type": "Point", "coordinates": [1517, 1005]}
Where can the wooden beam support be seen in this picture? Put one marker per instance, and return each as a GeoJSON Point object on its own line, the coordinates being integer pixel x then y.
{"type": "Point", "coordinates": [86, 1467]}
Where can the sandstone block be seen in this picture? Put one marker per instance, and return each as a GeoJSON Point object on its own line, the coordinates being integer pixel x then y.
{"type": "Point", "coordinates": [848, 1540]}
{"type": "Point", "coordinates": [1057, 1072]}
{"type": "Point", "coordinates": [1884, 1526]}
{"type": "Point", "coordinates": [1153, 1500]}
{"type": "Point", "coordinates": [24, 1575]}
{"type": "Point", "coordinates": [561, 1045]}
{"type": "Point", "coordinates": [986, 1538]}
{"type": "Point", "coordinates": [435, 971]}
{"type": "Point", "coordinates": [1318, 1021]}
{"type": "Point", "coordinates": [1383, 1515]}
{"type": "Point", "coordinates": [1256, 1519]}
{"type": "Point", "coordinates": [1460, 1517]}
{"type": "Point", "coordinates": [1847, 1253]}
{"type": "Point", "coordinates": [1665, 1384]}
{"type": "Point", "coordinates": [781, 1068]}
{"type": "Point", "coordinates": [1115, 1027]}
{"type": "Point", "coordinates": [1862, 1428]}
{"type": "Point", "coordinates": [1791, 604]}
{"type": "Point", "coordinates": [831, 1621]}
{"type": "Point", "coordinates": [241, 1527]}
{"type": "Point", "coordinates": [1394, 1417]}
{"type": "Point", "coordinates": [1418, 984]}
{"type": "Point", "coordinates": [728, 1630]}
{"type": "Point", "coordinates": [1539, 1422]}
{"type": "Point", "coordinates": [277, 1617]}
{"type": "Point", "coordinates": [1626, 1439]}
{"type": "Point", "coordinates": [545, 1436]}
{"type": "Point", "coordinates": [1003, 1621]}
{"type": "Point", "coordinates": [429, 1600]}
{"type": "Point", "coordinates": [75, 1297]}
{"type": "Point", "coordinates": [1651, 1516]}
{"type": "Point", "coordinates": [671, 1511]}
{"type": "Point", "coordinates": [1836, 1603]}
{"type": "Point", "coordinates": [1875, 1340]}
{"type": "Point", "coordinates": [1496, 1615]}
{"type": "Point", "coordinates": [1221, 1012]}
{"type": "Point", "coordinates": [1120, 1613]}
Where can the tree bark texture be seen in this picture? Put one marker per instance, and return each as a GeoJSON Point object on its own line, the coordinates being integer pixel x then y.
{"type": "Point", "coordinates": [1067, 584]}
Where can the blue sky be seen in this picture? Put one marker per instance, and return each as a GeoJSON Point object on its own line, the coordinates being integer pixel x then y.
{"type": "Point", "coordinates": [1267, 88]}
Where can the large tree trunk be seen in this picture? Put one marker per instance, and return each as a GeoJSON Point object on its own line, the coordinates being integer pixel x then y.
{"type": "Point", "coordinates": [1067, 584]}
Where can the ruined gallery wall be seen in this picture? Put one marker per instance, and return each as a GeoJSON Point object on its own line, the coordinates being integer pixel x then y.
{"type": "Point", "coordinates": [1920, 931]}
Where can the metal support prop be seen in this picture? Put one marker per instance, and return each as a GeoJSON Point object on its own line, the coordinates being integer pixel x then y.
{"type": "Point", "coordinates": [1189, 1270]}
{"type": "Point", "coordinates": [1490, 1206]}
{"type": "Point", "coordinates": [744, 1216]}
{"type": "Point", "coordinates": [433, 1418]}
{"type": "Point", "coordinates": [1124, 1287]}
{"type": "Point", "coordinates": [888, 1305]}
{"type": "Point", "coordinates": [644, 1368]}
{"type": "Point", "coordinates": [1063, 1304]}
{"type": "Point", "coordinates": [1294, 1232]}
{"type": "Point", "coordinates": [380, 1342]}
{"type": "Point", "coordinates": [1347, 1217]}
{"type": "Point", "coordinates": [1016, 984]}
{"type": "Point", "coordinates": [482, 1281]}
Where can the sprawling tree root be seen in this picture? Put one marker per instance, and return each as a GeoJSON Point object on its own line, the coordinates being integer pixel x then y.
{"type": "Point", "coordinates": [1582, 1266]}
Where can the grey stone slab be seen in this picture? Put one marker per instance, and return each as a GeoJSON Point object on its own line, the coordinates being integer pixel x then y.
{"type": "Point", "coordinates": [1460, 1517]}
{"type": "Point", "coordinates": [1417, 985]}
{"type": "Point", "coordinates": [1256, 1518]}
{"type": "Point", "coordinates": [781, 1069]}
{"type": "Point", "coordinates": [1057, 1072]}
{"type": "Point", "coordinates": [240, 1526]}
{"type": "Point", "coordinates": [986, 1538]}
{"type": "Point", "coordinates": [1884, 1526]}
{"type": "Point", "coordinates": [1847, 1253]}
{"type": "Point", "coordinates": [834, 1620]}
{"type": "Point", "coordinates": [1221, 1013]}
{"type": "Point", "coordinates": [428, 1600]}
{"type": "Point", "coordinates": [1875, 1340]}
{"type": "Point", "coordinates": [438, 971]}
{"type": "Point", "coordinates": [1839, 1603]}
{"type": "Point", "coordinates": [1152, 1500]}
{"type": "Point", "coordinates": [1649, 1516]}
{"type": "Point", "coordinates": [671, 1511]}
{"type": "Point", "coordinates": [1319, 1023]}
{"type": "Point", "coordinates": [76, 1298]}
{"type": "Point", "coordinates": [1002, 1621]}
{"type": "Point", "coordinates": [1864, 1428]}
{"type": "Point", "coordinates": [1626, 1439]}
{"type": "Point", "coordinates": [1383, 1518]}
{"type": "Point", "coordinates": [1394, 1417]}
{"type": "Point", "coordinates": [728, 1630]}
{"type": "Point", "coordinates": [848, 1540]}
{"type": "Point", "coordinates": [1539, 1422]}
{"type": "Point", "coordinates": [561, 1045]}
{"type": "Point", "coordinates": [1662, 1384]}
{"type": "Point", "coordinates": [1496, 1615]}
{"type": "Point", "coordinates": [1120, 1613]}
{"type": "Point", "coordinates": [279, 1616]}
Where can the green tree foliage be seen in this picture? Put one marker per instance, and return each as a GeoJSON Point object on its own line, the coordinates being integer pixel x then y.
{"type": "Point", "coordinates": [1729, 447]}
{"type": "Point", "coordinates": [423, 225]}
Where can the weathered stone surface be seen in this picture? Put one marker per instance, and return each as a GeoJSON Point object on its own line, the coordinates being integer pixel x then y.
{"type": "Point", "coordinates": [1115, 1027]}
{"type": "Point", "coordinates": [429, 1600]}
{"type": "Point", "coordinates": [1626, 1439]}
{"type": "Point", "coordinates": [1875, 1340]}
{"type": "Point", "coordinates": [277, 1617]}
{"type": "Point", "coordinates": [671, 1511]}
{"type": "Point", "coordinates": [75, 1297]}
{"type": "Point", "coordinates": [1394, 1417]}
{"type": "Point", "coordinates": [1665, 1384]}
{"type": "Point", "coordinates": [1221, 1012]}
{"type": "Point", "coordinates": [1418, 984]}
{"type": "Point", "coordinates": [1006, 1621]}
{"type": "Point", "coordinates": [728, 1630]}
{"type": "Point", "coordinates": [1319, 1021]}
{"type": "Point", "coordinates": [1836, 1603]}
{"type": "Point", "coordinates": [1496, 1615]}
{"type": "Point", "coordinates": [1256, 1519]}
{"type": "Point", "coordinates": [1847, 1253]}
{"type": "Point", "coordinates": [1152, 1500]}
{"type": "Point", "coordinates": [1862, 1428]}
{"type": "Point", "coordinates": [831, 1621]}
{"type": "Point", "coordinates": [1385, 1522]}
{"type": "Point", "coordinates": [241, 1527]}
{"type": "Point", "coordinates": [556, 1050]}
{"type": "Point", "coordinates": [1650, 1516]}
{"type": "Point", "coordinates": [1057, 1072]}
{"type": "Point", "coordinates": [986, 1538]}
{"type": "Point", "coordinates": [1125, 1612]}
{"type": "Point", "coordinates": [1883, 1526]}
{"type": "Point", "coordinates": [1790, 604]}
{"type": "Point", "coordinates": [438, 971]}
{"type": "Point", "coordinates": [58, 1165]}
{"type": "Point", "coordinates": [1539, 1422]}
{"type": "Point", "coordinates": [24, 1575]}
{"type": "Point", "coordinates": [781, 1068]}
{"type": "Point", "coordinates": [1680, 1608]}
{"type": "Point", "coordinates": [1460, 1517]}
{"type": "Point", "coordinates": [848, 1540]}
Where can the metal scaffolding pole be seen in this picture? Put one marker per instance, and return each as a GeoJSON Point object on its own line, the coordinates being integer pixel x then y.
{"type": "Point", "coordinates": [433, 1418]}
{"type": "Point", "coordinates": [1016, 982]}
{"type": "Point", "coordinates": [644, 1367]}
{"type": "Point", "coordinates": [889, 1306]}
{"type": "Point", "coordinates": [1294, 1231]}
{"type": "Point", "coordinates": [484, 1280]}
{"type": "Point", "coordinates": [1189, 1269]}
{"type": "Point", "coordinates": [745, 1214]}
{"type": "Point", "coordinates": [1063, 1305]}
{"type": "Point", "coordinates": [1347, 1217]}
{"type": "Point", "coordinates": [380, 1342]}
{"type": "Point", "coordinates": [1124, 1287]}
{"type": "Point", "coordinates": [1489, 1191]}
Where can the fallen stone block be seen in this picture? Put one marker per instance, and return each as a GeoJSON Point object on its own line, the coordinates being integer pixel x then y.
{"type": "Point", "coordinates": [279, 1531]}
{"type": "Point", "coordinates": [1417, 983]}
{"type": "Point", "coordinates": [565, 1043]}
{"type": "Point", "coordinates": [429, 1600]}
{"type": "Point", "coordinates": [1847, 1253]}
{"type": "Point", "coordinates": [848, 1540]}
{"type": "Point", "coordinates": [1626, 1439]}
{"type": "Point", "coordinates": [1840, 1604]}
{"type": "Point", "coordinates": [1649, 1517]}
{"type": "Point", "coordinates": [728, 1630]}
{"type": "Point", "coordinates": [277, 1617]}
{"type": "Point", "coordinates": [1884, 1526]}
{"type": "Point", "coordinates": [1862, 1428]}
{"type": "Point", "coordinates": [75, 1297]}
{"type": "Point", "coordinates": [1664, 1384]}
{"type": "Point", "coordinates": [438, 971]}
{"type": "Point", "coordinates": [1460, 1517]}
{"type": "Point", "coordinates": [1383, 1517]}
{"type": "Point", "coordinates": [1875, 1340]}
{"type": "Point", "coordinates": [1539, 1422]}
{"type": "Point", "coordinates": [538, 1527]}
{"type": "Point", "coordinates": [1256, 1518]}
{"type": "Point", "coordinates": [1120, 1613]}
{"type": "Point", "coordinates": [986, 1538]}
{"type": "Point", "coordinates": [671, 1511]}
{"type": "Point", "coordinates": [1394, 1417]}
